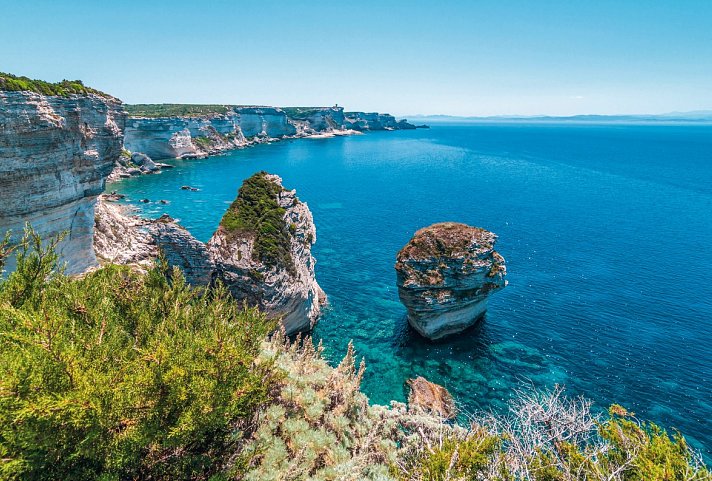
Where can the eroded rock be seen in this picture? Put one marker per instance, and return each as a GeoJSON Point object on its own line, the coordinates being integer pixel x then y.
{"type": "Point", "coordinates": [445, 274]}
{"type": "Point", "coordinates": [55, 154]}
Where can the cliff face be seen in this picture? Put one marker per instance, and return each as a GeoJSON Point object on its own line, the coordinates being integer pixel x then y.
{"type": "Point", "coordinates": [374, 121]}
{"type": "Point", "coordinates": [180, 137]}
{"type": "Point", "coordinates": [286, 289]}
{"type": "Point", "coordinates": [445, 274]}
{"type": "Point", "coordinates": [55, 154]}
{"type": "Point", "coordinates": [201, 135]}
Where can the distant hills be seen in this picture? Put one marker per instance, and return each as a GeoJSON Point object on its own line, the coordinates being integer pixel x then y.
{"type": "Point", "coordinates": [696, 116]}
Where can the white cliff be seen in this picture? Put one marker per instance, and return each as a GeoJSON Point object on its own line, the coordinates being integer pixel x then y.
{"type": "Point", "coordinates": [55, 154]}
{"type": "Point", "coordinates": [284, 285]}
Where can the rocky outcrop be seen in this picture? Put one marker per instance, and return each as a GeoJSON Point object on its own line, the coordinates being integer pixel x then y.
{"type": "Point", "coordinates": [286, 288]}
{"type": "Point", "coordinates": [120, 238]}
{"type": "Point", "coordinates": [445, 274]}
{"type": "Point", "coordinates": [283, 284]}
{"type": "Point", "coordinates": [374, 121]}
{"type": "Point", "coordinates": [55, 154]}
{"type": "Point", "coordinates": [431, 398]}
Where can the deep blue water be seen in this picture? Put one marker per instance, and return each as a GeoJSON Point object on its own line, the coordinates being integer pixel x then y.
{"type": "Point", "coordinates": [606, 229]}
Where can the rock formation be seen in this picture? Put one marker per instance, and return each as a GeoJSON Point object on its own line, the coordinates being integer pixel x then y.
{"type": "Point", "coordinates": [445, 274]}
{"type": "Point", "coordinates": [277, 278]}
{"type": "Point", "coordinates": [55, 154]}
{"type": "Point", "coordinates": [431, 398]}
{"type": "Point", "coordinates": [261, 251]}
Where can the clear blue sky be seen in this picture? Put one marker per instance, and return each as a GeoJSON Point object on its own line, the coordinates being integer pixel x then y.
{"type": "Point", "coordinates": [406, 57]}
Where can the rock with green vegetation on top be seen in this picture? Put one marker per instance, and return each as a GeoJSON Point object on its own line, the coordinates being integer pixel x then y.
{"type": "Point", "coordinates": [262, 252]}
{"type": "Point", "coordinates": [58, 143]}
{"type": "Point", "coordinates": [445, 274]}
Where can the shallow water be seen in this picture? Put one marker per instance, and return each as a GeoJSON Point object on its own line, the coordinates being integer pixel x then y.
{"type": "Point", "coordinates": [606, 229]}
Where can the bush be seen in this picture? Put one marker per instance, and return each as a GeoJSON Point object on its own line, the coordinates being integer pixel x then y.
{"type": "Point", "coordinates": [118, 375]}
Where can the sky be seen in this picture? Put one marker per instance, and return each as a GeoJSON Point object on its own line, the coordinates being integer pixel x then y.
{"type": "Point", "coordinates": [465, 57]}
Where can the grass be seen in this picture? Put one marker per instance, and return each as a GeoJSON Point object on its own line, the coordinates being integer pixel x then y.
{"type": "Point", "coordinates": [256, 212]}
{"type": "Point", "coordinates": [65, 88]}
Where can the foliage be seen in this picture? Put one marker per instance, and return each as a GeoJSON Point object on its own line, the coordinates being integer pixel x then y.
{"type": "Point", "coordinates": [319, 425]}
{"type": "Point", "coordinates": [301, 113]}
{"type": "Point", "coordinates": [117, 375]}
{"type": "Point", "coordinates": [256, 212]}
{"type": "Point", "coordinates": [65, 88]}
{"type": "Point", "coordinates": [549, 437]}
{"type": "Point", "coordinates": [175, 110]}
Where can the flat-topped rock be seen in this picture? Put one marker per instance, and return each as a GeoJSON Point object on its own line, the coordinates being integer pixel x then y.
{"type": "Point", "coordinates": [445, 274]}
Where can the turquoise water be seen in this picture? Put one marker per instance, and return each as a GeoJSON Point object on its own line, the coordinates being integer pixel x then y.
{"type": "Point", "coordinates": [606, 229]}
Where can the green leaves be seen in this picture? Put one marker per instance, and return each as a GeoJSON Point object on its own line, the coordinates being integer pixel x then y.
{"type": "Point", "coordinates": [122, 375]}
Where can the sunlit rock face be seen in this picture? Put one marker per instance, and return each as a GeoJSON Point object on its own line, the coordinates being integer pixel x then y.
{"type": "Point", "coordinates": [55, 155]}
{"type": "Point", "coordinates": [325, 119]}
{"type": "Point", "coordinates": [374, 121]}
{"type": "Point", "coordinates": [267, 121]}
{"type": "Point", "coordinates": [445, 274]}
{"type": "Point", "coordinates": [289, 293]}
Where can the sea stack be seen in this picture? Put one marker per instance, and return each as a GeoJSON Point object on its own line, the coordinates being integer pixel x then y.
{"type": "Point", "coordinates": [445, 274]}
{"type": "Point", "coordinates": [262, 252]}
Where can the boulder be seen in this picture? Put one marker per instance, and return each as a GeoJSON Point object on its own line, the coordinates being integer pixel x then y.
{"type": "Point", "coordinates": [431, 398]}
{"type": "Point", "coordinates": [445, 274]}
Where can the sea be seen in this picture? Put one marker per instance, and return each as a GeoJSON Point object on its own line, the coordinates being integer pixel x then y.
{"type": "Point", "coordinates": [606, 230]}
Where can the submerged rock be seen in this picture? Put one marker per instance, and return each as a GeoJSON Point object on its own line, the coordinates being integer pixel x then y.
{"type": "Point", "coordinates": [445, 274]}
{"type": "Point", "coordinates": [431, 398]}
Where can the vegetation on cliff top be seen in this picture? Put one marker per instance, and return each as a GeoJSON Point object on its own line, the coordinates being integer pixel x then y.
{"type": "Point", "coordinates": [256, 212]}
{"type": "Point", "coordinates": [119, 376]}
{"type": "Point", "coordinates": [174, 110]}
{"type": "Point", "coordinates": [65, 88]}
{"type": "Point", "coordinates": [301, 113]}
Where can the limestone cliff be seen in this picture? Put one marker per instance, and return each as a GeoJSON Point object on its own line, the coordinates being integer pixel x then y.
{"type": "Point", "coordinates": [445, 274]}
{"type": "Point", "coordinates": [202, 134]}
{"type": "Point", "coordinates": [261, 251]}
{"type": "Point", "coordinates": [55, 154]}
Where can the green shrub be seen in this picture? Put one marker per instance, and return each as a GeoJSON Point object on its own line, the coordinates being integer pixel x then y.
{"type": "Point", "coordinates": [117, 375]}
{"type": "Point", "coordinates": [256, 212]}
{"type": "Point", "coordinates": [12, 83]}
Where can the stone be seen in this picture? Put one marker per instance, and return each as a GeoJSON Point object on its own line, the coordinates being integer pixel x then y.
{"type": "Point", "coordinates": [55, 154]}
{"type": "Point", "coordinates": [445, 274]}
{"type": "Point", "coordinates": [120, 238]}
{"type": "Point", "coordinates": [431, 398]}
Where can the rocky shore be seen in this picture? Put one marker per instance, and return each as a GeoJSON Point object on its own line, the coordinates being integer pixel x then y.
{"type": "Point", "coordinates": [200, 135]}
{"type": "Point", "coordinates": [445, 274]}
